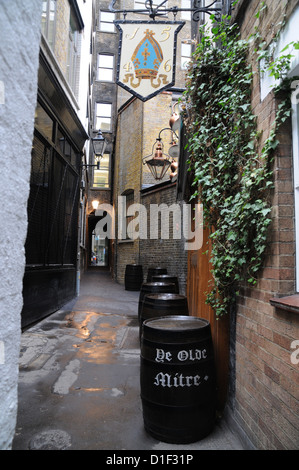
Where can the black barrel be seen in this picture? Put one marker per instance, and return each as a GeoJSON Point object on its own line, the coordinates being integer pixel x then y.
{"type": "Point", "coordinates": [154, 288]}
{"type": "Point", "coordinates": [177, 379]}
{"type": "Point", "coordinates": [167, 278]}
{"type": "Point", "coordinates": [160, 305]}
{"type": "Point", "coordinates": [155, 272]}
{"type": "Point", "coordinates": [133, 277]}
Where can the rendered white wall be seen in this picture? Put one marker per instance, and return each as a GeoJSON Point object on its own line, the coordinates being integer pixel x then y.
{"type": "Point", "coordinates": [19, 50]}
{"type": "Point", "coordinates": [288, 35]}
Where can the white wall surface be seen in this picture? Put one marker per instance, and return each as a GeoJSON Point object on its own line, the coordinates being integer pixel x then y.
{"type": "Point", "coordinates": [19, 49]}
{"type": "Point", "coordinates": [288, 35]}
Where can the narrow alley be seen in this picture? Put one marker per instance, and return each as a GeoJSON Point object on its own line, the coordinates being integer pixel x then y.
{"type": "Point", "coordinates": [79, 378]}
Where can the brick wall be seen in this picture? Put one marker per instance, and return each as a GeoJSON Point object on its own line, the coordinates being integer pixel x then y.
{"type": "Point", "coordinates": [138, 127]}
{"type": "Point", "coordinates": [169, 252]}
{"type": "Point", "coordinates": [157, 113]}
{"type": "Point", "coordinates": [127, 176]}
{"type": "Point", "coordinates": [265, 401]}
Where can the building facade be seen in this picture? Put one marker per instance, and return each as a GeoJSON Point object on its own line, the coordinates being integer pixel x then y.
{"type": "Point", "coordinates": [265, 399]}
{"type": "Point", "coordinates": [256, 344]}
{"type": "Point", "coordinates": [18, 89]}
{"type": "Point", "coordinates": [102, 117]}
{"type": "Point", "coordinates": [59, 138]}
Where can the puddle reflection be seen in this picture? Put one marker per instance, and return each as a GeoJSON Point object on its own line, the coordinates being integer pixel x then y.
{"type": "Point", "coordinates": [98, 338]}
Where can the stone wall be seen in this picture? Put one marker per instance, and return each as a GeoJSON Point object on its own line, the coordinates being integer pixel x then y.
{"type": "Point", "coordinates": [19, 52]}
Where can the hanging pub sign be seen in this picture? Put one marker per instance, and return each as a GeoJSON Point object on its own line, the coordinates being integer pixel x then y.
{"type": "Point", "coordinates": [147, 56]}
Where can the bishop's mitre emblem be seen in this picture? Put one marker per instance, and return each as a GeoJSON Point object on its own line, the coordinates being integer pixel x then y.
{"type": "Point", "coordinates": [147, 59]}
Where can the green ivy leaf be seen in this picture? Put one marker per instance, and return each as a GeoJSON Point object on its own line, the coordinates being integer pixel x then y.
{"type": "Point", "coordinates": [230, 178]}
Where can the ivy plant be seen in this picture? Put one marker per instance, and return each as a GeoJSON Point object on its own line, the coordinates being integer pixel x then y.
{"type": "Point", "coordinates": [230, 162]}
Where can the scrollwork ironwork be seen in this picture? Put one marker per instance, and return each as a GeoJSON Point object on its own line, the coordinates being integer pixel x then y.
{"type": "Point", "coordinates": [196, 9]}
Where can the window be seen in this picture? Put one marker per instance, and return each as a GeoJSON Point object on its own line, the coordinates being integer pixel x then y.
{"type": "Point", "coordinates": [43, 122]}
{"type": "Point", "coordinates": [186, 15]}
{"type": "Point", "coordinates": [49, 21]}
{"type": "Point", "coordinates": [106, 22]}
{"type": "Point", "coordinates": [103, 116]}
{"type": "Point", "coordinates": [101, 177]}
{"type": "Point", "coordinates": [67, 149]}
{"type": "Point", "coordinates": [52, 208]}
{"type": "Point", "coordinates": [186, 52]}
{"type": "Point", "coordinates": [105, 67]}
{"type": "Point", "coordinates": [74, 47]}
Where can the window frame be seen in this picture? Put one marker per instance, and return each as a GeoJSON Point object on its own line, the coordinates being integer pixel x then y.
{"type": "Point", "coordinates": [104, 116]}
{"type": "Point", "coordinates": [103, 23]}
{"type": "Point", "coordinates": [186, 15]}
{"type": "Point", "coordinates": [102, 170]}
{"type": "Point", "coordinates": [183, 56]}
{"type": "Point", "coordinates": [99, 68]}
{"type": "Point", "coordinates": [46, 29]}
{"type": "Point", "coordinates": [73, 53]}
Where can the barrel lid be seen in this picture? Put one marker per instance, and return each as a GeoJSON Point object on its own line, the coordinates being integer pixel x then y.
{"type": "Point", "coordinates": [176, 323]}
{"type": "Point", "coordinates": [165, 296]}
{"type": "Point", "coordinates": [157, 283]}
{"type": "Point", "coordinates": [165, 276]}
{"type": "Point", "coordinates": [157, 267]}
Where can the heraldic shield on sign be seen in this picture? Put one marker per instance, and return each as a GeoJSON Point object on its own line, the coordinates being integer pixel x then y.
{"type": "Point", "coordinates": [147, 56]}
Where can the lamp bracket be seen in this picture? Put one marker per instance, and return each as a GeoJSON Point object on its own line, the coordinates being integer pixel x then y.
{"type": "Point", "coordinates": [97, 165]}
{"type": "Point", "coordinates": [167, 129]}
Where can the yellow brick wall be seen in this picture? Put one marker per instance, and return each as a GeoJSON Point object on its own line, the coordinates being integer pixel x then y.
{"type": "Point", "coordinates": [138, 127]}
{"type": "Point", "coordinates": [157, 113]}
{"type": "Point", "coordinates": [128, 151]}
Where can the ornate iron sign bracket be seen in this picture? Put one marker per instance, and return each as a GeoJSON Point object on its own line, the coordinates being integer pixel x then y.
{"type": "Point", "coordinates": [197, 9]}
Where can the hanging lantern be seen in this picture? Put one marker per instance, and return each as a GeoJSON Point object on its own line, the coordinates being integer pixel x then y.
{"type": "Point", "coordinates": [158, 165]}
{"type": "Point", "coordinates": [99, 144]}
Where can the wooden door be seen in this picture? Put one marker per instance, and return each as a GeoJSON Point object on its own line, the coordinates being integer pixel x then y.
{"type": "Point", "coordinates": [198, 284]}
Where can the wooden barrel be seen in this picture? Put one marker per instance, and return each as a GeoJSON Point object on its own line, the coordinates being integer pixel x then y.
{"type": "Point", "coordinates": [159, 305]}
{"type": "Point", "coordinates": [177, 378]}
{"type": "Point", "coordinates": [154, 288]}
{"type": "Point", "coordinates": [155, 272]}
{"type": "Point", "coordinates": [133, 277]}
{"type": "Point", "coordinates": [167, 278]}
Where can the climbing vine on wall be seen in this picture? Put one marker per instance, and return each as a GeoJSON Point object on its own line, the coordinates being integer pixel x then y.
{"type": "Point", "coordinates": [232, 176]}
